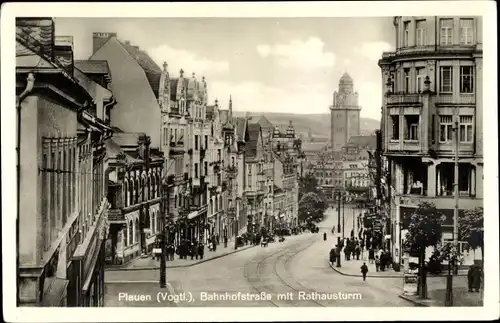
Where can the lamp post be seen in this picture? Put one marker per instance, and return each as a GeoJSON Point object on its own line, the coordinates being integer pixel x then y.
{"type": "Point", "coordinates": [338, 210]}
{"type": "Point", "coordinates": [343, 218]}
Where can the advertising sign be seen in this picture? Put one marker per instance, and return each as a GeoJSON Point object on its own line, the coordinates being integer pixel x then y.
{"type": "Point", "coordinates": [410, 276]}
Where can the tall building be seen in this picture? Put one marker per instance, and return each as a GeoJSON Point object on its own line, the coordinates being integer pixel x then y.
{"type": "Point", "coordinates": [433, 104]}
{"type": "Point", "coordinates": [344, 113]}
{"type": "Point", "coordinates": [62, 201]}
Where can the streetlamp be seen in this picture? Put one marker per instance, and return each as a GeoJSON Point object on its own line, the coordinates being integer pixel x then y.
{"type": "Point", "coordinates": [338, 210]}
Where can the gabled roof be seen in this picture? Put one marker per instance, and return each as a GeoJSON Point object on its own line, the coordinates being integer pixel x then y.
{"type": "Point", "coordinates": [265, 124]}
{"type": "Point", "coordinates": [151, 69]}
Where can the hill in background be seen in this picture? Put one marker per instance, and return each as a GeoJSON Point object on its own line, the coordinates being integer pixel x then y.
{"type": "Point", "coordinates": [318, 124]}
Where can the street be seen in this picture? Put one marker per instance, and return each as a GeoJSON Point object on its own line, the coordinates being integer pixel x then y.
{"type": "Point", "coordinates": [293, 273]}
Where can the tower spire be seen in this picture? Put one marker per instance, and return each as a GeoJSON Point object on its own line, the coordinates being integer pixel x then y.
{"type": "Point", "coordinates": [230, 109]}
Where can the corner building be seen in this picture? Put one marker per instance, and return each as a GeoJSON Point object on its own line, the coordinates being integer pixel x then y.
{"type": "Point", "coordinates": [433, 84]}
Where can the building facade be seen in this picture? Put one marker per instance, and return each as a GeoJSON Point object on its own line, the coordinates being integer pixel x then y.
{"type": "Point", "coordinates": [344, 112]}
{"type": "Point", "coordinates": [62, 161]}
{"type": "Point", "coordinates": [433, 109]}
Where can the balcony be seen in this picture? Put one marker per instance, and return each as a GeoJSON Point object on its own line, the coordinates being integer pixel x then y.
{"type": "Point", "coordinates": [176, 147]}
{"type": "Point", "coordinates": [450, 99]}
{"type": "Point", "coordinates": [196, 181]}
{"type": "Point", "coordinates": [170, 179]}
{"type": "Point", "coordinates": [404, 98]}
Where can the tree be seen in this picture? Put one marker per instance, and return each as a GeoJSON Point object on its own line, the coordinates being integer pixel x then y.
{"type": "Point", "coordinates": [471, 229]}
{"type": "Point", "coordinates": [307, 184]}
{"type": "Point", "coordinates": [311, 205]}
{"type": "Point", "coordinates": [424, 231]}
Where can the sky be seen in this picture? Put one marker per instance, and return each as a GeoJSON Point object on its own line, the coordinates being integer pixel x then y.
{"type": "Point", "coordinates": [290, 65]}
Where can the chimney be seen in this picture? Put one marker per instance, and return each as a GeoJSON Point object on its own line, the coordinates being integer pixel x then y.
{"type": "Point", "coordinates": [99, 38]}
{"type": "Point", "coordinates": [63, 52]}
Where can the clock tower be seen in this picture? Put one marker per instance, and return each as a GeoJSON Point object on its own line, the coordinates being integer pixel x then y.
{"type": "Point", "coordinates": [344, 114]}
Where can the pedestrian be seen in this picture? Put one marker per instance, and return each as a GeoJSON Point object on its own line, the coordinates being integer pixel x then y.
{"type": "Point", "coordinates": [358, 252]}
{"type": "Point", "coordinates": [332, 256]}
{"type": "Point", "coordinates": [364, 270]}
{"type": "Point", "coordinates": [225, 241]}
{"type": "Point", "coordinates": [201, 250]}
{"type": "Point", "coordinates": [324, 236]}
{"type": "Point", "coordinates": [333, 229]}
{"type": "Point", "coordinates": [371, 255]}
{"type": "Point", "coordinates": [477, 278]}
{"type": "Point", "coordinates": [214, 243]}
{"type": "Point", "coordinates": [470, 278]}
{"type": "Point", "coordinates": [377, 263]}
{"type": "Point", "coordinates": [217, 238]}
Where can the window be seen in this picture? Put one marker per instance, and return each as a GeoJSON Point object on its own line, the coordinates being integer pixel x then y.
{"type": "Point", "coordinates": [466, 134]}
{"type": "Point", "coordinates": [195, 170]}
{"type": "Point", "coordinates": [412, 127]}
{"type": "Point", "coordinates": [196, 142]}
{"type": "Point", "coordinates": [445, 128]}
{"type": "Point", "coordinates": [175, 135]}
{"type": "Point", "coordinates": [466, 79]}
{"type": "Point", "coordinates": [395, 127]}
{"type": "Point", "coordinates": [181, 136]}
{"type": "Point", "coordinates": [406, 33]}
{"type": "Point", "coordinates": [420, 79]}
{"type": "Point", "coordinates": [218, 154]}
{"type": "Point", "coordinates": [421, 24]}
{"type": "Point", "coordinates": [407, 80]}
{"type": "Point", "coordinates": [446, 31]}
{"type": "Point", "coordinates": [206, 168]}
{"type": "Point", "coordinates": [446, 79]}
{"type": "Point", "coordinates": [466, 31]}
{"type": "Point", "coordinates": [206, 142]}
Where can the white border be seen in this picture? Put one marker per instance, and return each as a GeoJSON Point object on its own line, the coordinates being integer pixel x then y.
{"type": "Point", "coordinates": [272, 9]}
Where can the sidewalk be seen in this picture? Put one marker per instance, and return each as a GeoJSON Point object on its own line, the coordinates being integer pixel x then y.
{"type": "Point", "coordinates": [149, 263]}
{"type": "Point", "coordinates": [436, 293]}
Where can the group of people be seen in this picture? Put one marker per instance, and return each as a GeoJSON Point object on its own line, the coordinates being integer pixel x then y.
{"type": "Point", "coordinates": [382, 259]}
{"type": "Point", "coordinates": [474, 275]}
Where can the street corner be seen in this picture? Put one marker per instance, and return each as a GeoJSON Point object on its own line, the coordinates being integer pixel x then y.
{"type": "Point", "coordinates": [416, 301]}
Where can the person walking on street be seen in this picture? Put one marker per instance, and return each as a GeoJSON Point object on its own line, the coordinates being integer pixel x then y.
{"type": "Point", "coordinates": [225, 241]}
{"type": "Point", "coordinates": [364, 270]}
{"type": "Point", "coordinates": [324, 236]}
{"type": "Point", "coordinates": [470, 278]}
{"type": "Point", "coordinates": [371, 256]}
{"type": "Point", "coordinates": [377, 263]}
{"type": "Point", "coordinates": [477, 278]}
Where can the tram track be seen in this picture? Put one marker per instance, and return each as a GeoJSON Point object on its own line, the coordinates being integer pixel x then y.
{"type": "Point", "coordinates": [254, 274]}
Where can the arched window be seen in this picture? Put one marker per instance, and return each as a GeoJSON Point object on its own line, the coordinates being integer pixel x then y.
{"type": "Point", "coordinates": [148, 186]}
{"type": "Point", "coordinates": [130, 233]}
{"type": "Point", "coordinates": [158, 182]}
{"type": "Point", "coordinates": [153, 186]}
{"type": "Point", "coordinates": [137, 190]}
{"type": "Point", "coordinates": [126, 194]}
{"type": "Point", "coordinates": [137, 231]}
{"type": "Point", "coordinates": [125, 235]}
{"type": "Point", "coordinates": [132, 191]}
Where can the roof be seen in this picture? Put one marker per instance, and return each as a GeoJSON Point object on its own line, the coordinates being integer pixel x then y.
{"type": "Point", "coordinates": [93, 67]}
{"type": "Point", "coordinates": [313, 146]}
{"type": "Point", "coordinates": [363, 142]}
{"type": "Point", "coordinates": [113, 150]}
{"type": "Point", "coordinates": [265, 124]}
{"type": "Point", "coordinates": [241, 124]}
{"type": "Point", "coordinates": [253, 139]}
{"type": "Point", "coordinates": [346, 79]}
{"type": "Point", "coordinates": [151, 69]}
{"type": "Point", "coordinates": [127, 138]}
